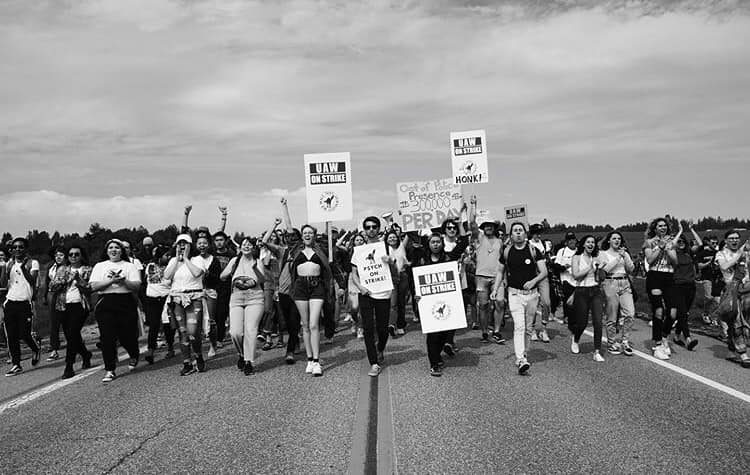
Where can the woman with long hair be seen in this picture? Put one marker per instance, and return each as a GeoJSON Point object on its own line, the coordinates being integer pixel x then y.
{"type": "Point", "coordinates": [154, 302]}
{"type": "Point", "coordinates": [396, 248]}
{"type": "Point", "coordinates": [115, 279]}
{"type": "Point", "coordinates": [59, 261]}
{"type": "Point", "coordinates": [185, 301]}
{"type": "Point", "coordinates": [246, 304]}
{"type": "Point", "coordinates": [661, 258]}
{"type": "Point", "coordinates": [310, 275]}
{"type": "Point", "coordinates": [70, 289]}
{"type": "Point", "coordinates": [617, 266]}
{"type": "Point", "coordinates": [211, 283]}
{"type": "Point", "coordinates": [356, 239]}
{"type": "Point", "coordinates": [684, 287]}
{"type": "Point", "coordinates": [588, 295]}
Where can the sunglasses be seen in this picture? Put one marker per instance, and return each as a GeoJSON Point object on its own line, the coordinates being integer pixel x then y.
{"type": "Point", "coordinates": [372, 226]}
{"type": "Point", "coordinates": [74, 254]}
{"type": "Point", "coordinates": [450, 228]}
{"type": "Point", "coordinates": [18, 247]}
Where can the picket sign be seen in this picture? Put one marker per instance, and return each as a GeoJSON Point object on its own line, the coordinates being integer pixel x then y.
{"type": "Point", "coordinates": [328, 183]}
{"type": "Point", "coordinates": [441, 302]}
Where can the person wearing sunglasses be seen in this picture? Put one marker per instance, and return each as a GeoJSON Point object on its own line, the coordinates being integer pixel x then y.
{"type": "Point", "coordinates": [70, 288]}
{"type": "Point", "coordinates": [20, 277]}
{"type": "Point", "coordinates": [59, 261]}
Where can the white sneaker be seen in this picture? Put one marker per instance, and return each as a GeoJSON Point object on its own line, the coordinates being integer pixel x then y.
{"type": "Point", "coordinates": [665, 346]}
{"type": "Point", "coordinates": [309, 368]}
{"type": "Point", "coordinates": [53, 356]}
{"type": "Point", "coordinates": [544, 336]}
{"type": "Point", "coordinates": [660, 354]}
{"type": "Point", "coordinates": [598, 357]}
{"type": "Point", "coordinates": [211, 352]}
{"type": "Point", "coordinates": [360, 333]}
{"type": "Point", "coordinates": [574, 346]}
{"type": "Point", "coordinates": [400, 331]}
{"type": "Point", "coordinates": [316, 369]}
{"type": "Point", "coordinates": [108, 376]}
{"type": "Point", "coordinates": [534, 336]}
{"type": "Point", "coordinates": [354, 330]}
{"type": "Point", "coordinates": [374, 370]}
{"type": "Point", "coordinates": [347, 319]}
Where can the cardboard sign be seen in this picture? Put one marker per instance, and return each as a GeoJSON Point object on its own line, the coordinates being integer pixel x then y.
{"type": "Point", "coordinates": [374, 274]}
{"type": "Point", "coordinates": [328, 181]}
{"type": "Point", "coordinates": [469, 157]}
{"type": "Point", "coordinates": [426, 204]}
{"type": "Point", "coordinates": [516, 213]}
{"type": "Point", "coordinates": [441, 303]}
{"type": "Point", "coordinates": [484, 216]}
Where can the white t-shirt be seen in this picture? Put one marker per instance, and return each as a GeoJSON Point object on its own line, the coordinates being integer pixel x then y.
{"type": "Point", "coordinates": [73, 293]}
{"type": "Point", "coordinates": [19, 289]}
{"type": "Point", "coordinates": [184, 279]}
{"type": "Point", "coordinates": [103, 269]}
{"type": "Point", "coordinates": [564, 257]}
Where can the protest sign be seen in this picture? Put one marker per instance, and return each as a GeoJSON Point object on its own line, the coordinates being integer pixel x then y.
{"type": "Point", "coordinates": [328, 181]}
{"type": "Point", "coordinates": [469, 157]}
{"type": "Point", "coordinates": [374, 274]}
{"type": "Point", "coordinates": [516, 213]}
{"type": "Point", "coordinates": [441, 303]}
{"type": "Point", "coordinates": [426, 204]}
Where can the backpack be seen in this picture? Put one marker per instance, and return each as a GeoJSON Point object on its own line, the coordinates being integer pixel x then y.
{"type": "Point", "coordinates": [532, 252]}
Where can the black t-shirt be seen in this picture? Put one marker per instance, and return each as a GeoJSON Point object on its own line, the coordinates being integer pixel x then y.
{"type": "Point", "coordinates": [520, 267]}
{"type": "Point", "coordinates": [706, 255]}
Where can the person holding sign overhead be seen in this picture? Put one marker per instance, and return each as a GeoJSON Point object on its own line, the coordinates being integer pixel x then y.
{"type": "Point", "coordinates": [372, 276]}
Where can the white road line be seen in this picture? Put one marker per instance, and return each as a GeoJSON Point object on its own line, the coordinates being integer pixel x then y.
{"type": "Point", "coordinates": [43, 391]}
{"type": "Point", "coordinates": [708, 382]}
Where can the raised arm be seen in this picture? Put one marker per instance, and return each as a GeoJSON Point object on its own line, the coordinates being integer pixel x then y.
{"type": "Point", "coordinates": [224, 212]}
{"type": "Point", "coordinates": [698, 240]}
{"type": "Point", "coordinates": [285, 215]}
{"type": "Point", "coordinates": [473, 225]}
{"type": "Point", "coordinates": [185, 227]}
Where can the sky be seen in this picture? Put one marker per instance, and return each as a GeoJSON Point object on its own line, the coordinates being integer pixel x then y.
{"type": "Point", "coordinates": [598, 112]}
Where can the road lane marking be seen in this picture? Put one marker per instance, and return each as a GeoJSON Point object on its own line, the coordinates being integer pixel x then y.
{"type": "Point", "coordinates": [386, 449]}
{"type": "Point", "coordinates": [696, 377]}
{"type": "Point", "coordinates": [364, 437]}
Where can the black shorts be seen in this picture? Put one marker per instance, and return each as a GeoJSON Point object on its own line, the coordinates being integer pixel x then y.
{"type": "Point", "coordinates": [309, 288]}
{"type": "Point", "coordinates": [663, 281]}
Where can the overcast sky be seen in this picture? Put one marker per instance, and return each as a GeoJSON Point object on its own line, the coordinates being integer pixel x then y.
{"type": "Point", "coordinates": [122, 112]}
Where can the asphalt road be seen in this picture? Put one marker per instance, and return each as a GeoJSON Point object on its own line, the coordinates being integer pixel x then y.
{"type": "Point", "coordinates": [570, 415]}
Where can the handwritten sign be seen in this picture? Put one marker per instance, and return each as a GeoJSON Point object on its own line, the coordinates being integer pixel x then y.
{"type": "Point", "coordinates": [469, 157]}
{"type": "Point", "coordinates": [441, 303]}
{"type": "Point", "coordinates": [328, 182]}
{"type": "Point", "coordinates": [426, 204]}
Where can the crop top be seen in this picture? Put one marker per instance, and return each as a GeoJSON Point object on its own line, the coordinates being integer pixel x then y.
{"type": "Point", "coordinates": [301, 258]}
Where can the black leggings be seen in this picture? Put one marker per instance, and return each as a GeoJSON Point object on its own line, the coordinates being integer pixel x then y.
{"type": "Point", "coordinates": [291, 318]}
{"type": "Point", "coordinates": [117, 317]}
{"type": "Point", "coordinates": [684, 294]}
{"type": "Point", "coordinates": [18, 327]}
{"type": "Point", "coordinates": [153, 308]}
{"type": "Point", "coordinates": [587, 299]}
{"type": "Point", "coordinates": [664, 282]}
{"type": "Point", "coordinates": [435, 343]}
{"type": "Point", "coordinates": [72, 320]}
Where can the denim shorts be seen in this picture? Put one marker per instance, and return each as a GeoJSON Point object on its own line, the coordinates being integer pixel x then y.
{"type": "Point", "coordinates": [309, 288]}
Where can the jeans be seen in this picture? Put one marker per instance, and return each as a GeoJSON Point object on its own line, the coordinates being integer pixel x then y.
{"type": "Point", "coordinates": [588, 299]}
{"type": "Point", "coordinates": [243, 328]}
{"type": "Point", "coordinates": [72, 320]}
{"type": "Point", "coordinates": [619, 297]}
{"type": "Point", "coordinates": [398, 300]}
{"type": "Point", "coordinates": [117, 317]}
{"type": "Point", "coordinates": [543, 306]}
{"type": "Point", "coordinates": [709, 301]}
{"type": "Point", "coordinates": [374, 313]}
{"type": "Point", "coordinates": [522, 306]}
{"type": "Point", "coordinates": [292, 320]}
{"type": "Point", "coordinates": [18, 327]}
{"type": "Point", "coordinates": [684, 294]}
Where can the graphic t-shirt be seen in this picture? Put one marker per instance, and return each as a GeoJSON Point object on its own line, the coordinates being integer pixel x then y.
{"type": "Point", "coordinates": [157, 285]}
{"type": "Point", "coordinates": [360, 261]}
{"type": "Point", "coordinates": [521, 265]}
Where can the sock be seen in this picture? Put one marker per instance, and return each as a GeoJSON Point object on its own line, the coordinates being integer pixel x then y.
{"type": "Point", "coordinates": [315, 360]}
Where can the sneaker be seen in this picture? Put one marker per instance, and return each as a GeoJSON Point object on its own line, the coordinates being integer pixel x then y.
{"type": "Point", "coordinates": [268, 345]}
{"type": "Point", "coordinates": [132, 363]}
{"type": "Point", "coordinates": [348, 319]}
{"type": "Point", "coordinates": [678, 341]}
{"type": "Point", "coordinates": [400, 332]}
{"type": "Point", "coordinates": [485, 338]}
{"type": "Point", "coordinates": [248, 369]}
{"type": "Point", "coordinates": [187, 368]}
{"type": "Point", "coordinates": [149, 357]}
{"type": "Point", "coordinates": [169, 354]}
{"type": "Point", "coordinates": [240, 363]}
{"type": "Point", "coordinates": [498, 338]}
{"type": "Point", "coordinates": [475, 326]}
{"type": "Point", "coordinates": [374, 370]}
{"type": "Point", "coordinates": [626, 349]}
{"type": "Point", "coordinates": [544, 336]}
{"type": "Point", "coordinates": [360, 333]}
{"type": "Point", "coordinates": [534, 336]}
{"type": "Point", "coordinates": [211, 352]}
{"type": "Point", "coordinates": [392, 331]}
{"type": "Point", "coordinates": [309, 367]}
{"type": "Point", "coordinates": [651, 323]}
{"type": "Point", "coordinates": [381, 357]}
{"type": "Point", "coordinates": [614, 349]}
{"type": "Point", "coordinates": [436, 371]}
{"type": "Point", "coordinates": [289, 358]}
{"type": "Point", "coordinates": [660, 354]}
{"type": "Point", "coordinates": [574, 346]}
{"type": "Point", "coordinates": [354, 330]}
{"type": "Point", "coordinates": [36, 356]}
{"type": "Point", "coordinates": [691, 344]}
{"type": "Point", "coordinates": [523, 366]}
{"type": "Point", "coordinates": [53, 356]}
{"type": "Point", "coordinates": [598, 357]}
{"type": "Point", "coordinates": [68, 373]}
{"type": "Point", "coordinates": [200, 363]}
{"type": "Point", "coordinates": [317, 370]}
{"type": "Point", "coordinates": [449, 350]}
{"type": "Point", "coordinates": [667, 349]}
{"type": "Point", "coordinates": [260, 338]}
{"type": "Point", "coordinates": [14, 370]}
{"type": "Point", "coordinates": [109, 376]}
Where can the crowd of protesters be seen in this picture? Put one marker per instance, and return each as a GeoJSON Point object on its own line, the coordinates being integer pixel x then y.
{"type": "Point", "coordinates": [204, 289]}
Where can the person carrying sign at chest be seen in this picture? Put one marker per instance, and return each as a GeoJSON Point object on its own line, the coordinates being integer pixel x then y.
{"type": "Point", "coordinates": [522, 268]}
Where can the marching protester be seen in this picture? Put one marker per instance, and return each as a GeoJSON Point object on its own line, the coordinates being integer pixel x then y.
{"type": "Point", "coordinates": [397, 250]}
{"type": "Point", "coordinates": [374, 307]}
{"type": "Point", "coordinates": [587, 297]}
{"type": "Point", "coordinates": [617, 266]}
{"type": "Point", "coordinates": [352, 291]}
{"type": "Point", "coordinates": [211, 281]}
{"type": "Point", "coordinates": [70, 288]}
{"type": "Point", "coordinates": [563, 261]}
{"type": "Point", "coordinates": [272, 323]}
{"type": "Point", "coordinates": [521, 269]}
{"type": "Point", "coordinates": [155, 302]}
{"type": "Point", "coordinates": [246, 304]}
{"type": "Point", "coordinates": [311, 276]}
{"type": "Point", "coordinates": [705, 262]}
{"type": "Point", "coordinates": [489, 247]}
{"type": "Point", "coordinates": [185, 301]}
{"type": "Point", "coordinates": [543, 309]}
{"type": "Point", "coordinates": [734, 305]}
{"type": "Point", "coordinates": [115, 280]}
{"type": "Point", "coordinates": [223, 254]}
{"type": "Point", "coordinates": [59, 260]}
{"type": "Point", "coordinates": [684, 287]}
{"type": "Point", "coordinates": [661, 258]}
{"type": "Point", "coordinates": [19, 276]}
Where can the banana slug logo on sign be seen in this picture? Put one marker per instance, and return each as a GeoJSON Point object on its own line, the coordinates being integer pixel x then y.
{"type": "Point", "coordinates": [329, 201]}
{"type": "Point", "coordinates": [441, 311]}
{"type": "Point", "coordinates": [468, 167]}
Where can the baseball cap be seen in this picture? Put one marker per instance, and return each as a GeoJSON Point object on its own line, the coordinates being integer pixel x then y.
{"type": "Point", "coordinates": [184, 237]}
{"type": "Point", "coordinates": [569, 236]}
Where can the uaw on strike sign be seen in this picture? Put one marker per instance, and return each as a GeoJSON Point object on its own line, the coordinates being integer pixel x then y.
{"type": "Point", "coordinates": [328, 181]}
{"type": "Point", "coordinates": [469, 157]}
{"type": "Point", "coordinates": [441, 303]}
